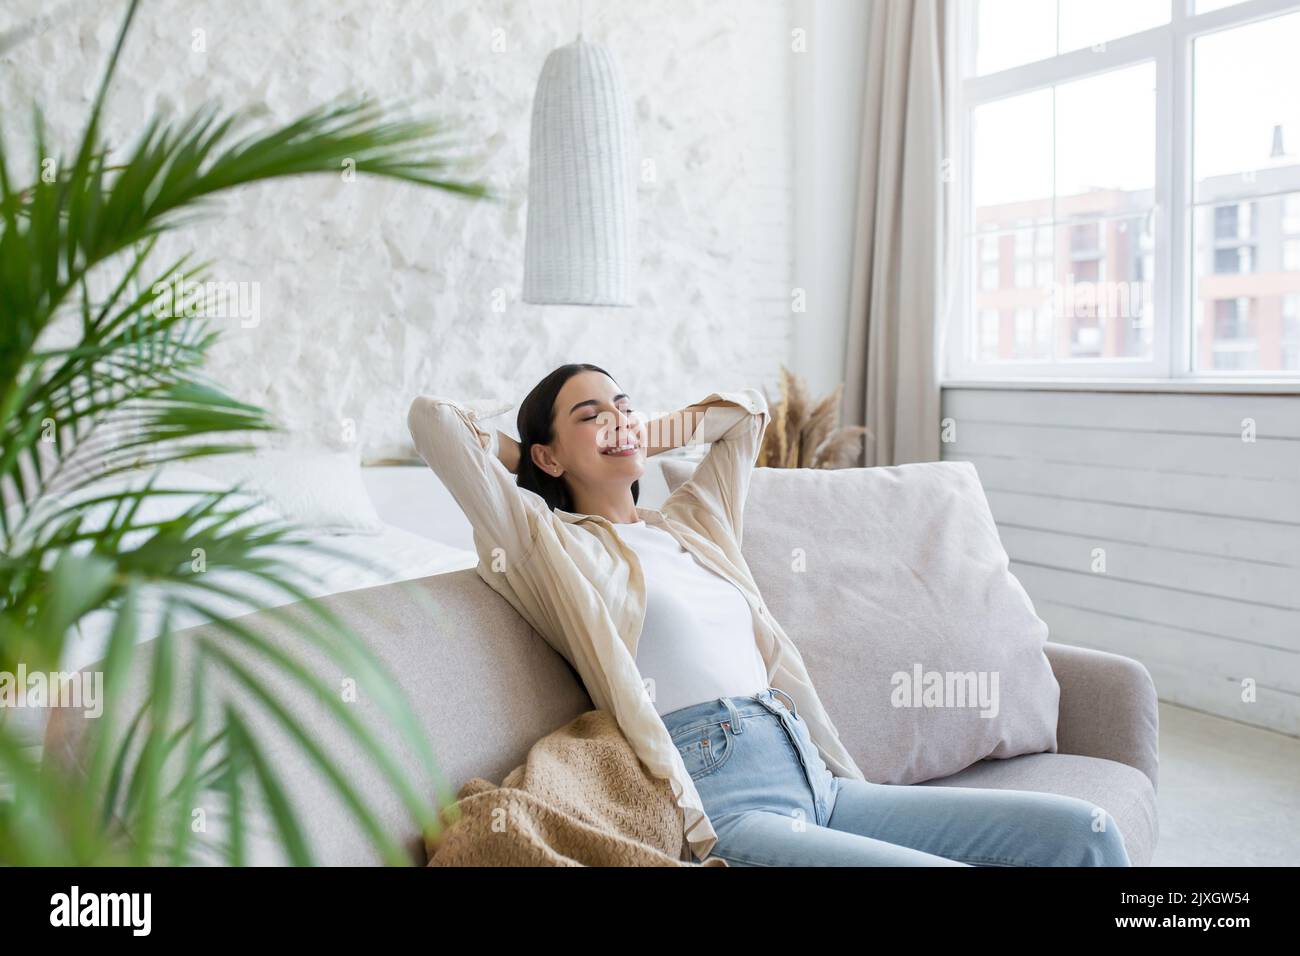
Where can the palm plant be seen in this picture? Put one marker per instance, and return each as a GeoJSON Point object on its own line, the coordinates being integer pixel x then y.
{"type": "Point", "coordinates": [130, 390]}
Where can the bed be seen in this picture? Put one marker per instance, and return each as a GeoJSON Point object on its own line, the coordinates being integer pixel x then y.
{"type": "Point", "coordinates": [361, 527]}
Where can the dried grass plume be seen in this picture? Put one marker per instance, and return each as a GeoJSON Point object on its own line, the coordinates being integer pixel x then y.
{"type": "Point", "coordinates": [807, 434]}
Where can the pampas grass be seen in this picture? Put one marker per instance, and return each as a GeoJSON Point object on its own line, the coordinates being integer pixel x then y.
{"type": "Point", "coordinates": [806, 434]}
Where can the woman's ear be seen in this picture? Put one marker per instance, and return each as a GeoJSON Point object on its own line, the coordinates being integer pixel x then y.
{"type": "Point", "coordinates": [544, 460]}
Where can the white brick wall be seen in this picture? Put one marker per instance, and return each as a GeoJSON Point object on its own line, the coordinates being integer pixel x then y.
{"type": "Point", "coordinates": [370, 292]}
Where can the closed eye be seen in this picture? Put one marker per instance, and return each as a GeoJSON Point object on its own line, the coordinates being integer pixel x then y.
{"type": "Point", "coordinates": [592, 418]}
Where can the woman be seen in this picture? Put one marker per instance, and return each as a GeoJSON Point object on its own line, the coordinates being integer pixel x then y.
{"type": "Point", "coordinates": [657, 612]}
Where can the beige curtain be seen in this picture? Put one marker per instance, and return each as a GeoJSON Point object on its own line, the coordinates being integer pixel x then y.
{"type": "Point", "coordinates": [899, 256]}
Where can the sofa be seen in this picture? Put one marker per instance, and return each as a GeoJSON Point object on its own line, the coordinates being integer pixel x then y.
{"type": "Point", "coordinates": [485, 687]}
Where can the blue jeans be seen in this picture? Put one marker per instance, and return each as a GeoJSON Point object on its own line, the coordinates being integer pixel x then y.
{"type": "Point", "coordinates": [773, 802]}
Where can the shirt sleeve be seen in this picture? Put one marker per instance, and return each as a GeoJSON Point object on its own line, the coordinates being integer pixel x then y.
{"type": "Point", "coordinates": [734, 424]}
{"type": "Point", "coordinates": [503, 515]}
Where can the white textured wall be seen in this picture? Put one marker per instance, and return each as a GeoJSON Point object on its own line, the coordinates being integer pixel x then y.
{"type": "Point", "coordinates": [371, 292]}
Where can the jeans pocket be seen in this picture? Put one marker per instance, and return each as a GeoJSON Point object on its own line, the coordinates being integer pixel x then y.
{"type": "Point", "coordinates": [706, 748]}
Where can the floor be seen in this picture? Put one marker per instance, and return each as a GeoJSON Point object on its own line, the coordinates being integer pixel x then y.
{"type": "Point", "coordinates": [1229, 793]}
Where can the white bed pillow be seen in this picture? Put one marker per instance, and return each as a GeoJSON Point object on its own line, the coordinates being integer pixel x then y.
{"type": "Point", "coordinates": [320, 490]}
{"type": "Point", "coordinates": [156, 507]}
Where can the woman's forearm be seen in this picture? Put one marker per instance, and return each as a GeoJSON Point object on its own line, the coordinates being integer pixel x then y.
{"type": "Point", "coordinates": [508, 452]}
{"type": "Point", "coordinates": [507, 448]}
{"type": "Point", "coordinates": [673, 429]}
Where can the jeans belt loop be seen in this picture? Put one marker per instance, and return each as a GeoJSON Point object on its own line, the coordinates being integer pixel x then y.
{"type": "Point", "coordinates": [736, 727]}
{"type": "Point", "coordinates": [787, 697]}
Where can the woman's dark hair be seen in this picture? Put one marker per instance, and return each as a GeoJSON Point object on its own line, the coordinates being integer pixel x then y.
{"type": "Point", "coordinates": [536, 423]}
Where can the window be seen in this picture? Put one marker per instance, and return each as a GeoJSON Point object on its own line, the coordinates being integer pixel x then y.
{"type": "Point", "coordinates": [1234, 221]}
{"type": "Point", "coordinates": [1291, 255]}
{"type": "Point", "coordinates": [1291, 213]}
{"type": "Point", "coordinates": [1236, 259]}
{"type": "Point", "coordinates": [1024, 331]}
{"type": "Point", "coordinates": [1291, 332]}
{"type": "Point", "coordinates": [1134, 166]}
{"type": "Point", "coordinates": [989, 278]}
{"type": "Point", "coordinates": [1230, 317]}
{"type": "Point", "coordinates": [1025, 261]}
{"type": "Point", "coordinates": [988, 328]}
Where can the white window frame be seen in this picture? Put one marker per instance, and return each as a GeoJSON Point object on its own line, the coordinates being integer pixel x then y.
{"type": "Point", "coordinates": [1169, 47]}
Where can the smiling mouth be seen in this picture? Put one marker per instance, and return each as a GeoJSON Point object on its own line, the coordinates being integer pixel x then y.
{"type": "Point", "coordinates": [624, 451]}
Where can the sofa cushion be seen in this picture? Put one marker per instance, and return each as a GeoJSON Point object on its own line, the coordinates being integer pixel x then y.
{"type": "Point", "coordinates": [891, 580]}
{"type": "Point", "coordinates": [1122, 791]}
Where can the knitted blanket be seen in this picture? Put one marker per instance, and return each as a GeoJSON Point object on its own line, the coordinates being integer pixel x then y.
{"type": "Point", "coordinates": [582, 798]}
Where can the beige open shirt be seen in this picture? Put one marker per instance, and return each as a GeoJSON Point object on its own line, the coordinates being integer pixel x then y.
{"type": "Point", "coordinates": [576, 583]}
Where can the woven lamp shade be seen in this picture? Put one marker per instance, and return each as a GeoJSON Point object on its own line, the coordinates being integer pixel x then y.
{"type": "Point", "coordinates": [580, 247]}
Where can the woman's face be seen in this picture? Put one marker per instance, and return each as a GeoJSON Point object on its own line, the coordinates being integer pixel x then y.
{"type": "Point", "coordinates": [598, 439]}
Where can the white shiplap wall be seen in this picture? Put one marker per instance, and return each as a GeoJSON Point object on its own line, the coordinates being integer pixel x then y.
{"type": "Point", "coordinates": [1200, 531]}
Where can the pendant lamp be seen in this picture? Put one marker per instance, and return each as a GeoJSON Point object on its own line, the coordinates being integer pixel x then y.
{"type": "Point", "coordinates": [580, 247]}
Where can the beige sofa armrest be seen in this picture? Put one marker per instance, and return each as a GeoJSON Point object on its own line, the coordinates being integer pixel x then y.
{"type": "Point", "coordinates": [1108, 707]}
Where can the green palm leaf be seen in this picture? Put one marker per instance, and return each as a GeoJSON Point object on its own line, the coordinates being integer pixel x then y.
{"type": "Point", "coordinates": [131, 392]}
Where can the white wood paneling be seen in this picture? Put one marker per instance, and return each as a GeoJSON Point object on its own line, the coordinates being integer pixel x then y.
{"type": "Point", "coordinates": [1198, 526]}
{"type": "Point", "coordinates": [1176, 662]}
{"type": "Point", "coordinates": [1243, 538]}
{"type": "Point", "coordinates": [1275, 416]}
{"type": "Point", "coordinates": [1232, 621]}
{"type": "Point", "coordinates": [1268, 502]}
{"type": "Point", "coordinates": [1174, 570]}
{"type": "Point", "coordinates": [1170, 453]}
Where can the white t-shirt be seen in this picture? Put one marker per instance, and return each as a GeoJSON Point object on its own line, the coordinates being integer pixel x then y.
{"type": "Point", "coordinates": [697, 642]}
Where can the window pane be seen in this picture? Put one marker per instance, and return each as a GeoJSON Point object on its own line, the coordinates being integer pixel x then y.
{"type": "Point", "coordinates": [1291, 255]}
{"type": "Point", "coordinates": [1086, 298]}
{"type": "Point", "coordinates": [1205, 6]}
{"type": "Point", "coordinates": [1013, 173]}
{"type": "Point", "coordinates": [1291, 332]}
{"type": "Point", "coordinates": [986, 343]}
{"type": "Point", "coordinates": [990, 274]}
{"type": "Point", "coordinates": [1106, 144]}
{"type": "Point", "coordinates": [1088, 23]}
{"type": "Point", "coordinates": [1247, 285]}
{"type": "Point", "coordinates": [1064, 191]}
{"type": "Point", "coordinates": [1102, 297]}
{"type": "Point", "coordinates": [1012, 302]}
{"type": "Point", "coordinates": [1247, 113]}
{"type": "Point", "coordinates": [1013, 32]}
{"type": "Point", "coordinates": [1012, 163]}
{"type": "Point", "coordinates": [1074, 275]}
